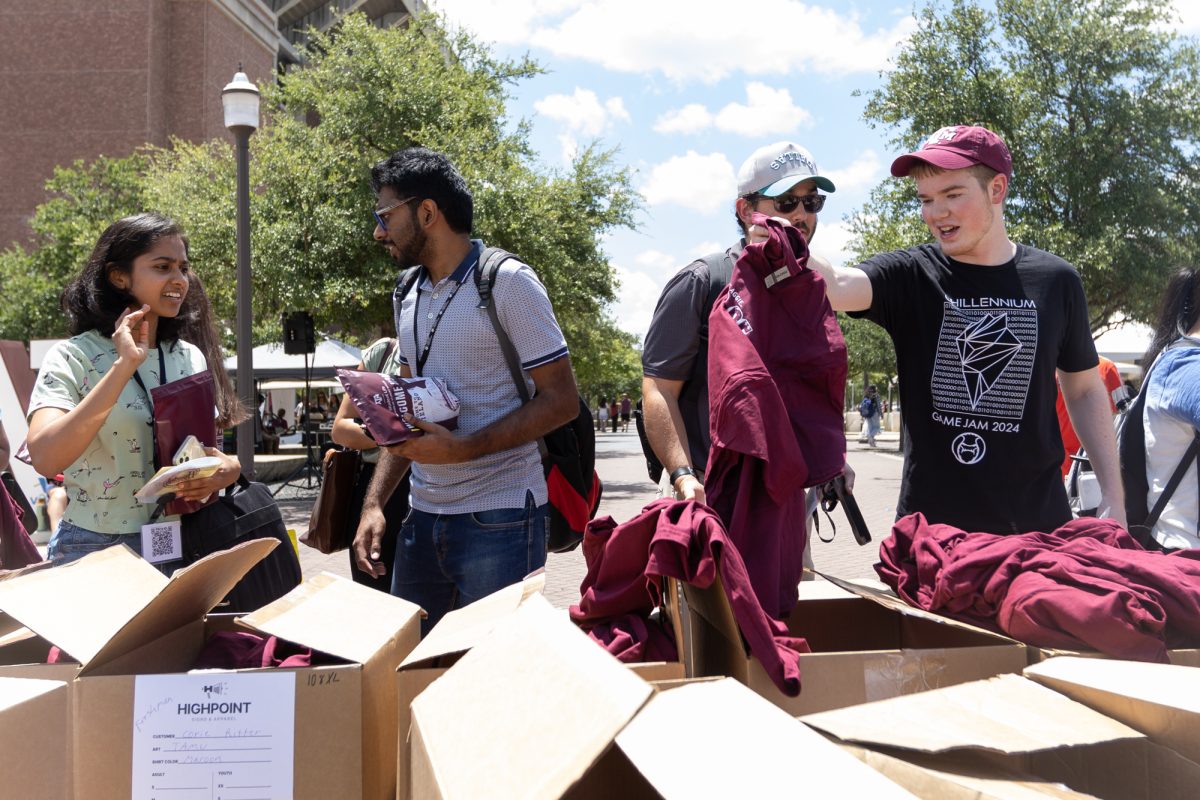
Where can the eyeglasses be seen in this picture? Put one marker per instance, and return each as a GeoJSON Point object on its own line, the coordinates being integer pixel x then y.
{"type": "Point", "coordinates": [786, 203]}
{"type": "Point", "coordinates": [381, 214]}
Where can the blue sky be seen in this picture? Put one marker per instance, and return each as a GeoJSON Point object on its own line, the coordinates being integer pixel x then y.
{"type": "Point", "coordinates": [687, 90]}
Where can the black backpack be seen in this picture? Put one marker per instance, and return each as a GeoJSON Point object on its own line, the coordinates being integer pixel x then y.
{"type": "Point", "coordinates": [720, 271]}
{"type": "Point", "coordinates": [568, 453]}
{"type": "Point", "coordinates": [1131, 449]}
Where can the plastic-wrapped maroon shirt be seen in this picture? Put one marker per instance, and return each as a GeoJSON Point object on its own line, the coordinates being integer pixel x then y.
{"type": "Point", "coordinates": [776, 377]}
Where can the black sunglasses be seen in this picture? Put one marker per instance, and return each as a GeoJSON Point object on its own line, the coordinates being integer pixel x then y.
{"type": "Point", "coordinates": [786, 203]}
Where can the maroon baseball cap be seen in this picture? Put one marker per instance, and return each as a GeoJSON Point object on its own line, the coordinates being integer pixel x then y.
{"type": "Point", "coordinates": [958, 147]}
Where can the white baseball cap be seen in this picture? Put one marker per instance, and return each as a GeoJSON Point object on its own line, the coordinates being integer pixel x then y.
{"type": "Point", "coordinates": [775, 168]}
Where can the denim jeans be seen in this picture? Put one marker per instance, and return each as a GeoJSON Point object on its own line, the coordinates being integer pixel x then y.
{"type": "Point", "coordinates": [71, 543]}
{"type": "Point", "coordinates": [446, 561]}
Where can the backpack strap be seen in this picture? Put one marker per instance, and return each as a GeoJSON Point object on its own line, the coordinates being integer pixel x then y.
{"type": "Point", "coordinates": [405, 281]}
{"type": "Point", "coordinates": [1176, 477]}
{"type": "Point", "coordinates": [485, 278]}
{"type": "Point", "coordinates": [720, 271]}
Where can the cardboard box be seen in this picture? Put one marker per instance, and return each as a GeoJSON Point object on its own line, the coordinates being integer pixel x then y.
{"type": "Point", "coordinates": [460, 630]}
{"type": "Point", "coordinates": [34, 725]}
{"type": "Point", "coordinates": [533, 711]}
{"type": "Point", "coordinates": [1013, 725]}
{"type": "Point", "coordinates": [867, 645]}
{"type": "Point", "coordinates": [1182, 657]}
{"type": "Point", "coordinates": [157, 626]}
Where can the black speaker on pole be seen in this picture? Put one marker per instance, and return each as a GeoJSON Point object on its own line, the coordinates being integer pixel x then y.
{"type": "Point", "coordinates": [298, 334]}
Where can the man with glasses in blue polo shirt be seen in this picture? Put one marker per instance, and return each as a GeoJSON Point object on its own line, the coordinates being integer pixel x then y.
{"type": "Point", "coordinates": [779, 180]}
{"type": "Point", "coordinates": [478, 496]}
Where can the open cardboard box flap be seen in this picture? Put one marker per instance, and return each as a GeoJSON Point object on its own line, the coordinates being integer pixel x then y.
{"type": "Point", "coordinates": [1007, 714]}
{"type": "Point", "coordinates": [334, 615]}
{"type": "Point", "coordinates": [525, 713]}
{"type": "Point", "coordinates": [463, 628]}
{"type": "Point", "coordinates": [120, 602]}
{"type": "Point", "coordinates": [1160, 700]}
{"type": "Point", "coordinates": [723, 716]}
{"type": "Point", "coordinates": [886, 598]}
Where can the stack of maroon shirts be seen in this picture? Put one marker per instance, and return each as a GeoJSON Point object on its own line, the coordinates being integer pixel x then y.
{"type": "Point", "coordinates": [682, 540]}
{"type": "Point", "coordinates": [776, 378]}
{"type": "Point", "coordinates": [1087, 585]}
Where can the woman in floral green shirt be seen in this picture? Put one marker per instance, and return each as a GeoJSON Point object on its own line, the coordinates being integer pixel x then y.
{"type": "Point", "coordinates": [135, 308]}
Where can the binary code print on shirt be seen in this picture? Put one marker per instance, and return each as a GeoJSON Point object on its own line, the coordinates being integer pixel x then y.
{"type": "Point", "coordinates": [985, 357]}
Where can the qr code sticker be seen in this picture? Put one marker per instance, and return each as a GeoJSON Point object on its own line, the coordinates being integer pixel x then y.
{"type": "Point", "coordinates": [162, 544]}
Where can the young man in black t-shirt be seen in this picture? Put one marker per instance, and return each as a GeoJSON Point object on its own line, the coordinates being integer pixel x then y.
{"type": "Point", "coordinates": [981, 324]}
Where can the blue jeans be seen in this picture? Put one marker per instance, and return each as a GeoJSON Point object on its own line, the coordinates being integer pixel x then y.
{"type": "Point", "coordinates": [447, 561]}
{"type": "Point", "coordinates": [71, 543]}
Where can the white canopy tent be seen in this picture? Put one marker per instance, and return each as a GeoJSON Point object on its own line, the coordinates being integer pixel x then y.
{"type": "Point", "coordinates": [271, 363]}
{"type": "Point", "coordinates": [1126, 341]}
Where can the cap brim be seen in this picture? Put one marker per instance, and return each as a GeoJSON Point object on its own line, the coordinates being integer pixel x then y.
{"type": "Point", "coordinates": [938, 158]}
{"type": "Point", "coordinates": [783, 184]}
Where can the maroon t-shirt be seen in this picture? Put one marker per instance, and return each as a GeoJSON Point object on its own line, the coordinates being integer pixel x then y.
{"type": "Point", "coordinates": [777, 377]}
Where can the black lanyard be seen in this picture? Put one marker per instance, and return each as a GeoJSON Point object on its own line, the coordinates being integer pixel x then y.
{"type": "Point", "coordinates": [424, 355]}
{"type": "Point", "coordinates": [162, 379]}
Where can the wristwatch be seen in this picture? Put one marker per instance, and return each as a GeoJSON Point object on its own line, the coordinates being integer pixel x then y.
{"type": "Point", "coordinates": [676, 474]}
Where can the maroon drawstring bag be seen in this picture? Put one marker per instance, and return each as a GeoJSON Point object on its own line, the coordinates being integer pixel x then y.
{"type": "Point", "coordinates": [17, 550]}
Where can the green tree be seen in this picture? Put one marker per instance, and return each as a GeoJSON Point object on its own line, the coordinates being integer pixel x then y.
{"type": "Point", "coordinates": [84, 200]}
{"type": "Point", "coordinates": [1099, 103]}
{"type": "Point", "coordinates": [364, 93]}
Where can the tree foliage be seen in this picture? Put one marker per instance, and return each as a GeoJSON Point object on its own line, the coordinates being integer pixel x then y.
{"type": "Point", "coordinates": [363, 93]}
{"type": "Point", "coordinates": [1099, 103]}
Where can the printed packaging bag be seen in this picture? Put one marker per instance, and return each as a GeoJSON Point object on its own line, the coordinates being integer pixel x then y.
{"type": "Point", "coordinates": [383, 400]}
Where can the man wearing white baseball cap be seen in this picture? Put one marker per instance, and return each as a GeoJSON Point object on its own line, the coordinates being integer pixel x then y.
{"type": "Point", "coordinates": [981, 325]}
{"type": "Point", "coordinates": [781, 180]}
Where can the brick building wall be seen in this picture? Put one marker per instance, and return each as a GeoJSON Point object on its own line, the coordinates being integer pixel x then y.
{"type": "Point", "coordinates": [80, 79]}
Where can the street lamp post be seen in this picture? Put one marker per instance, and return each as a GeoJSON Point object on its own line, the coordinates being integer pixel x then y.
{"type": "Point", "coordinates": [240, 101]}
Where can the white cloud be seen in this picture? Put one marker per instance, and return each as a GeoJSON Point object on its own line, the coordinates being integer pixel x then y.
{"type": "Point", "coordinates": [692, 118]}
{"type": "Point", "coordinates": [701, 183]}
{"type": "Point", "coordinates": [1189, 16]}
{"type": "Point", "coordinates": [766, 112]}
{"type": "Point", "coordinates": [686, 40]}
{"type": "Point", "coordinates": [708, 40]}
{"type": "Point", "coordinates": [656, 261]}
{"type": "Point", "coordinates": [830, 243]}
{"type": "Point", "coordinates": [636, 299]}
{"type": "Point", "coordinates": [862, 173]}
{"type": "Point", "coordinates": [582, 112]}
{"type": "Point", "coordinates": [704, 248]}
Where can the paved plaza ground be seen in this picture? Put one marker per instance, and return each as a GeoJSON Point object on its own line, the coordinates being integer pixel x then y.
{"type": "Point", "coordinates": [626, 489]}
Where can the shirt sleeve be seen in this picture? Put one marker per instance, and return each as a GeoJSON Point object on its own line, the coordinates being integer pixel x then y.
{"type": "Point", "coordinates": [673, 340]}
{"type": "Point", "coordinates": [1078, 350]}
{"type": "Point", "coordinates": [885, 272]}
{"type": "Point", "coordinates": [372, 357]}
{"type": "Point", "coordinates": [1180, 396]}
{"type": "Point", "coordinates": [527, 315]}
{"type": "Point", "coordinates": [61, 379]}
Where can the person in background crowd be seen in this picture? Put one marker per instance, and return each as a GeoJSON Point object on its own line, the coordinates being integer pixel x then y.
{"type": "Point", "coordinates": [614, 414]}
{"type": "Point", "coordinates": [602, 415]}
{"type": "Point", "coordinates": [135, 311]}
{"type": "Point", "coordinates": [479, 499]}
{"type": "Point", "coordinates": [382, 356]}
{"type": "Point", "coordinates": [1116, 393]}
{"type": "Point", "coordinates": [871, 413]}
{"type": "Point", "coordinates": [779, 179]}
{"type": "Point", "coordinates": [981, 325]}
{"type": "Point", "coordinates": [1172, 414]}
{"type": "Point", "coordinates": [270, 434]}
{"type": "Point", "coordinates": [56, 501]}
{"type": "Point", "coordinates": [626, 412]}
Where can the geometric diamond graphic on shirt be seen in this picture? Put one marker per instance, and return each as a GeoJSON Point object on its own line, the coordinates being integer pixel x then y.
{"type": "Point", "coordinates": [986, 348]}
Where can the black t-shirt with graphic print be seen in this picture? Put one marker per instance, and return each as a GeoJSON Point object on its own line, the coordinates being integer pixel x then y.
{"type": "Point", "coordinates": [976, 349]}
